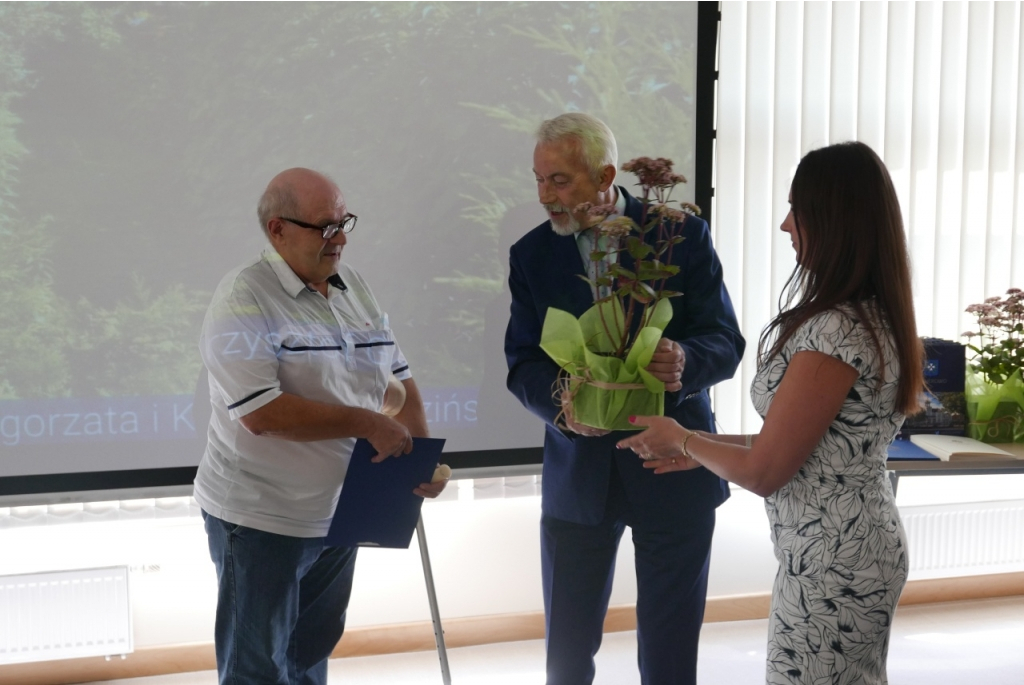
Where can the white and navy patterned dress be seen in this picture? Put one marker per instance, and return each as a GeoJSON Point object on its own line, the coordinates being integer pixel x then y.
{"type": "Point", "coordinates": [838, 537]}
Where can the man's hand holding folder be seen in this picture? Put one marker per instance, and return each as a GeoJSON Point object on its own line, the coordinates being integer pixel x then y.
{"type": "Point", "coordinates": [379, 504]}
{"type": "Point", "coordinates": [394, 401]}
{"type": "Point", "coordinates": [442, 472]}
{"type": "Point", "coordinates": [389, 442]}
{"type": "Point", "coordinates": [389, 439]}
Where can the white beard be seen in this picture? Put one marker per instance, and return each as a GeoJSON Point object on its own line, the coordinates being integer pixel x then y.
{"type": "Point", "coordinates": [570, 226]}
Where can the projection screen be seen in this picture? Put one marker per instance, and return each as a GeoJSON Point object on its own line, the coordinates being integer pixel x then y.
{"type": "Point", "coordinates": [135, 139]}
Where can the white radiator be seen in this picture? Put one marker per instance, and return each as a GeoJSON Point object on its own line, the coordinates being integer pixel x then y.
{"type": "Point", "coordinates": [980, 537]}
{"type": "Point", "coordinates": [64, 615]}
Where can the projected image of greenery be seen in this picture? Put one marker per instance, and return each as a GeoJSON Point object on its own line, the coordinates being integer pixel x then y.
{"type": "Point", "coordinates": [135, 139]}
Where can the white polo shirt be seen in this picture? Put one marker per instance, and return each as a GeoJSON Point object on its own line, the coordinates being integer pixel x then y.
{"type": "Point", "coordinates": [266, 333]}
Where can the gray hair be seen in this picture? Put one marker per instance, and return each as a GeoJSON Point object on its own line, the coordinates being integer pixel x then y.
{"type": "Point", "coordinates": [277, 200]}
{"type": "Point", "coordinates": [594, 140]}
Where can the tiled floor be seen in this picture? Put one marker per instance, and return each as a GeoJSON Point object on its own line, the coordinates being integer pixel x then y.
{"type": "Point", "coordinates": [961, 643]}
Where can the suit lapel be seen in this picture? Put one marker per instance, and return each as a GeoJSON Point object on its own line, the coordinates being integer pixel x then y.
{"type": "Point", "coordinates": [566, 289]}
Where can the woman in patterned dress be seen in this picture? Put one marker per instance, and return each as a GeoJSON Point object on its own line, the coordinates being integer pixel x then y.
{"type": "Point", "coordinates": [838, 369]}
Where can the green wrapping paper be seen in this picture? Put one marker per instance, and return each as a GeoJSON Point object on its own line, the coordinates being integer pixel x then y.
{"type": "Point", "coordinates": [606, 390]}
{"type": "Point", "coordinates": [995, 412]}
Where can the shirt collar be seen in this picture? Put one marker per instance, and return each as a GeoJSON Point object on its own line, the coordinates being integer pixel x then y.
{"type": "Point", "coordinates": [620, 202]}
{"type": "Point", "coordinates": [291, 283]}
{"type": "Point", "coordinates": [335, 280]}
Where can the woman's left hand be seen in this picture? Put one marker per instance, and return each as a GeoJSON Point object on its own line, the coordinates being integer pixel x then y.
{"type": "Point", "coordinates": [659, 445]}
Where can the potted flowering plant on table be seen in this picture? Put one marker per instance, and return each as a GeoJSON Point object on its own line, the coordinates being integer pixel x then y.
{"type": "Point", "coordinates": [604, 354]}
{"type": "Point", "coordinates": [994, 387]}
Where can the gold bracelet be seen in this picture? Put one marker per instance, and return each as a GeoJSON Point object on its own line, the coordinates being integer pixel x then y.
{"type": "Point", "coordinates": [682, 446]}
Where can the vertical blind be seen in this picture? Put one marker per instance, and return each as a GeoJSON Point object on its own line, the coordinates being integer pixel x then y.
{"type": "Point", "coordinates": [933, 87]}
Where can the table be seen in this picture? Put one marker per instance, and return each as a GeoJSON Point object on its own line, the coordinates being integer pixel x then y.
{"type": "Point", "coordinates": [962, 467]}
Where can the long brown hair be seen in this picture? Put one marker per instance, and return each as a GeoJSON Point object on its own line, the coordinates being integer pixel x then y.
{"type": "Point", "coordinates": [852, 250]}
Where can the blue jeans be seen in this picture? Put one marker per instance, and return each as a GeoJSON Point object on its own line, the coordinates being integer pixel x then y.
{"type": "Point", "coordinates": [281, 604]}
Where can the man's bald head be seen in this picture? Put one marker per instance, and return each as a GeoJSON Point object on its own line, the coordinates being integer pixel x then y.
{"type": "Point", "coordinates": [290, 191]}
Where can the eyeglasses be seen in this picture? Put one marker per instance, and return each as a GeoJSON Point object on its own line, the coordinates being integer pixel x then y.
{"type": "Point", "coordinates": [330, 230]}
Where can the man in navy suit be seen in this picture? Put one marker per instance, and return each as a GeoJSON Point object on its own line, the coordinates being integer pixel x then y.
{"type": "Point", "coordinates": [591, 490]}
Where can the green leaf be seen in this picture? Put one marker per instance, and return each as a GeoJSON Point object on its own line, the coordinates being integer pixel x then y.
{"type": "Point", "coordinates": [649, 272]}
{"type": "Point", "coordinates": [642, 292]}
{"type": "Point", "coordinates": [621, 272]}
{"type": "Point", "coordinates": [637, 248]}
{"type": "Point", "coordinates": [646, 272]}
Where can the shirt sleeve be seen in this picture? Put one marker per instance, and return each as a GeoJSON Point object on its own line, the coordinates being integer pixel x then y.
{"type": "Point", "coordinates": [399, 365]}
{"type": "Point", "coordinates": [238, 349]}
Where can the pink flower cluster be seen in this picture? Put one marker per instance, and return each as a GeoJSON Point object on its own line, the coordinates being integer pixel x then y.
{"type": "Point", "coordinates": [1000, 348]}
{"type": "Point", "coordinates": [999, 313]}
{"type": "Point", "coordinates": [619, 227]}
{"type": "Point", "coordinates": [654, 173]}
{"type": "Point", "coordinates": [594, 210]}
{"type": "Point", "coordinates": [668, 213]}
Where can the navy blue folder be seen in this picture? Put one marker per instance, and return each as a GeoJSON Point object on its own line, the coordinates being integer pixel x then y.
{"type": "Point", "coordinates": [377, 507]}
{"type": "Point", "coordinates": [904, 449]}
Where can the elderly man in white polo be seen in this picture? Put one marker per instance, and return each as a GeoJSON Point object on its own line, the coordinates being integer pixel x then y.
{"type": "Point", "coordinates": [299, 356]}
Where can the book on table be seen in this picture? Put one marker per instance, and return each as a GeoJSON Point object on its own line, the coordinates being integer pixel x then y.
{"type": "Point", "coordinates": [958, 447]}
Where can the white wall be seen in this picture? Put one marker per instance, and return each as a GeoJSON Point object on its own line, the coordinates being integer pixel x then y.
{"type": "Point", "coordinates": [483, 540]}
{"type": "Point", "coordinates": [483, 544]}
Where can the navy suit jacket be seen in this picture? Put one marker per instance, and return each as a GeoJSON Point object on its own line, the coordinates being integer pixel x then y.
{"type": "Point", "coordinates": [545, 271]}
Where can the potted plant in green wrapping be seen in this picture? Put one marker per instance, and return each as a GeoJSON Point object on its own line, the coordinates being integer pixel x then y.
{"type": "Point", "coordinates": [994, 388]}
{"type": "Point", "coordinates": [604, 354]}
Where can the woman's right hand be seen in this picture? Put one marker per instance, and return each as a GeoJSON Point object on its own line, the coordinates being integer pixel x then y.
{"type": "Point", "coordinates": [660, 446]}
{"type": "Point", "coordinates": [662, 438]}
